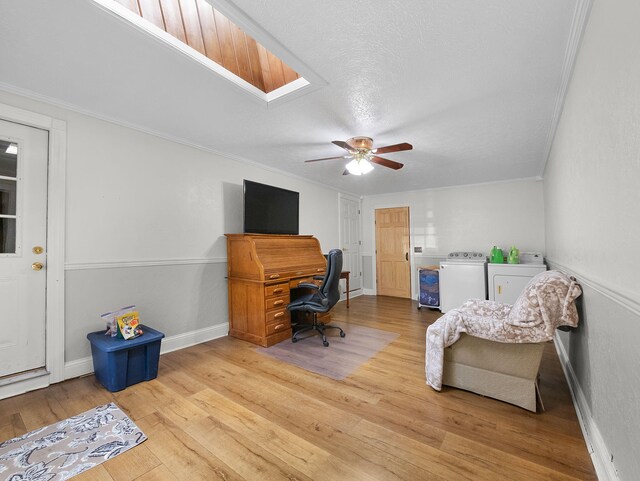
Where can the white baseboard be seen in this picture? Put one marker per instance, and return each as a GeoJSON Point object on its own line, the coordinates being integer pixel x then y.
{"type": "Point", "coordinates": [600, 454]}
{"type": "Point", "coordinates": [78, 368]}
{"type": "Point", "coordinates": [83, 366]}
{"type": "Point", "coordinates": [352, 294]}
{"type": "Point", "coordinates": [24, 385]}
{"type": "Point", "coordinates": [369, 292]}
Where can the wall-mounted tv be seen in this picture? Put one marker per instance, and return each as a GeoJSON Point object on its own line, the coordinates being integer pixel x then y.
{"type": "Point", "coordinates": [269, 209]}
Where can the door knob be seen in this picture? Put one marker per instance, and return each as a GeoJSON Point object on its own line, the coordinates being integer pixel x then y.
{"type": "Point", "coordinates": [37, 250]}
{"type": "Point", "coordinates": [37, 266]}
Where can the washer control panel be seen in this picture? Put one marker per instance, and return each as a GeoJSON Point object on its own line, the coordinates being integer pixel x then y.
{"type": "Point", "coordinates": [470, 255]}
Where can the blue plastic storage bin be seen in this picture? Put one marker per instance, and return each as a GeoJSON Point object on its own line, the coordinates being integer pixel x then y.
{"type": "Point", "coordinates": [119, 363]}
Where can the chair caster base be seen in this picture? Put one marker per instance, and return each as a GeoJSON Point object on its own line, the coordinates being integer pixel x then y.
{"type": "Point", "coordinates": [319, 327]}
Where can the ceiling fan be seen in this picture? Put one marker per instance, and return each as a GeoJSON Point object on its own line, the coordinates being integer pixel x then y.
{"type": "Point", "coordinates": [363, 154]}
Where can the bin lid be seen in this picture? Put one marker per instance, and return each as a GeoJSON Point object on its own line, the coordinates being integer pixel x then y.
{"type": "Point", "coordinates": [110, 344]}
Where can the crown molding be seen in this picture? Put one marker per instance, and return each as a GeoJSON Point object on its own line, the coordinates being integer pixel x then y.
{"type": "Point", "coordinates": [576, 32]}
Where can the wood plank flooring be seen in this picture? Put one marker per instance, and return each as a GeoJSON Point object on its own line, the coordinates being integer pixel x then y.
{"type": "Point", "coordinates": [222, 411]}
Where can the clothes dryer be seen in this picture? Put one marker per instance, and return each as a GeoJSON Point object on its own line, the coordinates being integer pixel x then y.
{"type": "Point", "coordinates": [507, 281]}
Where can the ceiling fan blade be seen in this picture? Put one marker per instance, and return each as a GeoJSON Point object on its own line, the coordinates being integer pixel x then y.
{"type": "Point", "coordinates": [328, 158]}
{"type": "Point", "coordinates": [386, 162]}
{"type": "Point", "coordinates": [342, 144]}
{"type": "Point", "coordinates": [393, 148]}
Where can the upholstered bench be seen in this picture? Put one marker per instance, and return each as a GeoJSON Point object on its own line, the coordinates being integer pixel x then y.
{"type": "Point", "coordinates": [503, 371]}
{"type": "Point", "coordinates": [495, 349]}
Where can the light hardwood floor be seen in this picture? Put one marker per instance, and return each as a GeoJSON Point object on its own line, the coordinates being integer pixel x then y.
{"type": "Point", "coordinates": [222, 411]}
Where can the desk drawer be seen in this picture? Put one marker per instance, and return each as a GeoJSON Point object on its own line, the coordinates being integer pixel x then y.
{"type": "Point", "coordinates": [281, 289]}
{"type": "Point", "coordinates": [276, 302]}
{"type": "Point", "coordinates": [293, 283]}
{"type": "Point", "coordinates": [278, 326]}
{"type": "Point", "coordinates": [276, 316]}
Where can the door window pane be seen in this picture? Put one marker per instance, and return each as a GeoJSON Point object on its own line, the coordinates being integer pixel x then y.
{"type": "Point", "coordinates": [7, 197]}
{"type": "Point", "coordinates": [7, 236]}
{"type": "Point", "coordinates": [8, 158]}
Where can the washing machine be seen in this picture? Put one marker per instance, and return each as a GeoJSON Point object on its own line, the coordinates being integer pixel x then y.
{"type": "Point", "coordinates": [507, 281]}
{"type": "Point", "coordinates": [463, 276]}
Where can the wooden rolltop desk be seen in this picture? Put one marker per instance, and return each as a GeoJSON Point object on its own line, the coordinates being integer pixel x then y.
{"type": "Point", "coordinates": [262, 269]}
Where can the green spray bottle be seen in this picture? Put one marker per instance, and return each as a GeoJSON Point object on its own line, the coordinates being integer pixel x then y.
{"type": "Point", "coordinates": [514, 256]}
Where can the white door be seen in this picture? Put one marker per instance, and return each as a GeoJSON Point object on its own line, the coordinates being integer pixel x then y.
{"type": "Point", "coordinates": [23, 217]}
{"type": "Point", "coordinates": [350, 241]}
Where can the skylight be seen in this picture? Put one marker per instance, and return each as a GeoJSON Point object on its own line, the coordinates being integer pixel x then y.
{"type": "Point", "coordinates": [208, 36]}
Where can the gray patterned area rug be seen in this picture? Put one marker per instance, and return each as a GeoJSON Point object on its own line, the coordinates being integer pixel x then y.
{"type": "Point", "coordinates": [67, 448]}
{"type": "Point", "coordinates": [343, 355]}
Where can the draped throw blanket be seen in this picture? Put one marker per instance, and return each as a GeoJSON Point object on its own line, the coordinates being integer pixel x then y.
{"type": "Point", "coordinates": [547, 302]}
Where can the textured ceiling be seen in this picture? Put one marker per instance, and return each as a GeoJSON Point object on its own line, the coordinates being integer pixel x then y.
{"type": "Point", "coordinates": [473, 85]}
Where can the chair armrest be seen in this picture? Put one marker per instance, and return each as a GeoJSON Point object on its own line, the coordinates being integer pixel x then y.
{"type": "Point", "coordinates": [308, 285]}
{"type": "Point", "coordinates": [319, 278]}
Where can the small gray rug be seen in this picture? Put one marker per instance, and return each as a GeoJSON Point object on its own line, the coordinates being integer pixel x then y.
{"type": "Point", "coordinates": [67, 448]}
{"type": "Point", "coordinates": [343, 355]}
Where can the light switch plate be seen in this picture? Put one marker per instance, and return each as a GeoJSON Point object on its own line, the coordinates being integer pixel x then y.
{"type": "Point", "coordinates": [417, 249]}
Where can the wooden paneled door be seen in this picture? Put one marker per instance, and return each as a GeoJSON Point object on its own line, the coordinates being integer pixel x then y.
{"type": "Point", "coordinates": [393, 271]}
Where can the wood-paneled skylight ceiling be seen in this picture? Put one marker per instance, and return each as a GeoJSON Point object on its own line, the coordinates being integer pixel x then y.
{"type": "Point", "coordinates": [203, 28]}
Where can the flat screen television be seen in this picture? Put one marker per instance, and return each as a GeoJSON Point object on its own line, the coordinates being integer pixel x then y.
{"type": "Point", "coordinates": [269, 209]}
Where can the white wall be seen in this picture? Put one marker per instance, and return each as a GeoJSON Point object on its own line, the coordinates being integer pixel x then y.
{"type": "Point", "coordinates": [465, 218]}
{"type": "Point", "coordinates": [593, 229]}
{"type": "Point", "coordinates": [145, 225]}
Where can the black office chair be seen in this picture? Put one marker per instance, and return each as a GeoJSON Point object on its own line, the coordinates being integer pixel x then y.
{"type": "Point", "coordinates": [322, 299]}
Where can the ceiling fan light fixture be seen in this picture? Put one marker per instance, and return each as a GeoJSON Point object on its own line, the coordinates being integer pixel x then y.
{"type": "Point", "coordinates": [359, 166]}
{"type": "Point", "coordinates": [364, 155]}
{"type": "Point", "coordinates": [361, 143]}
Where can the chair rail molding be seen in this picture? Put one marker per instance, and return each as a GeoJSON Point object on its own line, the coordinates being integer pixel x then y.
{"type": "Point", "coordinates": [82, 266]}
{"type": "Point", "coordinates": [598, 285]}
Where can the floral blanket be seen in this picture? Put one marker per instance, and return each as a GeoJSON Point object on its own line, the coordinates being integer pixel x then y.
{"type": "Point", "coordinates": [547, 302]}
